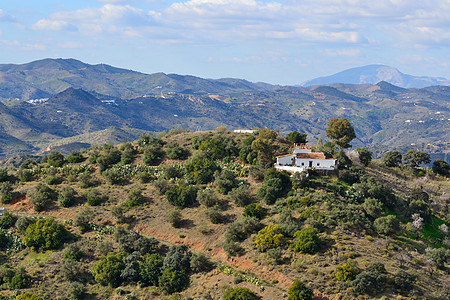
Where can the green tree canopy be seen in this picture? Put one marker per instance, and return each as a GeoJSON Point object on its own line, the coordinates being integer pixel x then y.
{"type": "Point", "coordinates": [415, 158]}
{"type": "Point", "coordinates": [341, 132]}
{"type": "Point", "coordinates": [297, 137]}
{"type": "Point", "coordinates": [392, 159]}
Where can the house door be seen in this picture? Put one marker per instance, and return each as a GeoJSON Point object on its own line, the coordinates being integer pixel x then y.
{"type": "Point", "coordinates": [310, 163]}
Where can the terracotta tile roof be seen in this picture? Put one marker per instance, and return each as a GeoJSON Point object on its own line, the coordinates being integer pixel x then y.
{"type": "Point", "coordinates": [285, 155]}
{"type": "Point", "coordinates": [311, 155]}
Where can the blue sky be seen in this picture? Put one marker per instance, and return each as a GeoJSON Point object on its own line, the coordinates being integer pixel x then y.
{"type": "Point", "coordinates": [280, 42]}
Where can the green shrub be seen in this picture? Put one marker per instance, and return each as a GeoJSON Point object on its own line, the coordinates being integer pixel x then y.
{"type": "Point", "coordinates": [83, 219]}
{"type": "Point", "coordinates": [7, 221]}
{"type": "Point", "coordinates": [182, 195]}
{"type": "Point", "coordinates": [240, 230]}
{"type": "Point", "coordinates": [208, 198]}
{"type": "Point", "coordinates": [150, 269]}
{"type": "Point", "coordinates": [27, 296]}
{"type": "Point", "coordinates": [297, 137]}
{"type": "Point", "coordinates": [45, 234]}
{"type": "Point", "coordinates": [42, 197]}
{"type": "Point", "coordinates": [225, 181]}
{"type": "Point", "coordinates": [23, 222]}
{"type": "Point", "coordinates": [373, 207]}
{"type": "Point", "coordinates": [4, 174]}
{"type": "Point", "coordinates": [365, 156]}
{"type": "Point", "coordinates": [135, 198]}
{"type": "Point", "coordinates": [438, 256]}
{"type": "Point", "coordinates": [254, 210]}
{"type": "Point", "coordinates": [307, 241]}
{"type": "Point", "coordinates": [71, 270]}
{"type": "Point", "coordinates": [6, 191]}
{"type": "Point", "coordinates": [173, 281]}
{"type": "Point", "coordinates": [177, 152]}
{"type": "Point", "coordinates": [20, 280]}
{"type": "Point", "coordinates": [215, 216]}
{"type": "Point", "coordinates": [242, 196]}
{"type": "Point", "coordinates": [107, 270]}
{"type": "Point", "coordinates": [233, 248]}
{"type": "Point", "coordinates": [239, 293]}
{"type": "Point", "coordinates": [77, 291]}
{"type": "Point", "coordinates": [94, 197]}
{"type": "Point", "coordinates": [441, 167]}
{"type": "Point", "coordinates": [370, 283]}
{"type": "Point", "coordinates": [347, 271]}
{"type": "Point", "coordinates": [25, 175]}
{"type": "Point", "coordinates": [200, 168]}
{"type": "Point", "coordinates": [269, 237]}
{"type": "Point", "coordinates": [53, 180]}
{"type": "Point", "coordinates": [200, 263]}
{"type": "Point", "coordinates": [299, 291]}
{"type": "Point", "coordinates": [152, 155]}
{"type": "Point", "coordinates": [404, 281]}
{"type": "Point", "coordinates": [73, 252]}
{"type": "Point", "coordinates": [386, 225]}
{"type": "Point", "coordinates": [75, 157]}
{"type": "Point", "coordinates": [178, 258]}
{"type": "Point", "coordinates": [113, 176]}
{"type": "Point", "coordinates": [392, 159]}
{"type": "Point", "coordinates": [66, 197]}
{"type": "Point", "coordinates": [174, 217]}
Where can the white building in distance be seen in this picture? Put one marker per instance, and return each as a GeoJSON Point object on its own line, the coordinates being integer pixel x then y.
{"type": "Point", "coordinates": [304, 159]}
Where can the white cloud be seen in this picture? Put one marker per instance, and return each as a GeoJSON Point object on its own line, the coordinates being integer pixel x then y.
{"type": "Point", "coordinates": [4, 17]}
{"type": "Point", "coordinates": [55, 25]}
{"type": "Point", "coordinates": [343, 52]}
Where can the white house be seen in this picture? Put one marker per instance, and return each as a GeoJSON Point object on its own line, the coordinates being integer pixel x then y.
{"type": "Point", "coordinates": [304, 159]}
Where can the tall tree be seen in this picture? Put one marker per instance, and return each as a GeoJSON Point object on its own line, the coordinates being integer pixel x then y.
{"type": "Point", "coordinates": [297, 137]}
{"type": "Point", "coordinates": [341, 132]}
{"type": "Point", "coordinates": [415, 158]}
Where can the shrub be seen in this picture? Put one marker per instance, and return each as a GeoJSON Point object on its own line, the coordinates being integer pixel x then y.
{"type": "Point", "coordinates": [83, 219]}
{"type": "Point", "coordinates": [392, 159]}
{"type": "Point", "coordinates": [214, 215]}
{"type": "Point", "coordinates": [70, 269]}
{"type": "Point", "coordinates": [23, 222]}
{"type": "Point", "coordinates": [297, 137]}
{"type": "Point", "coordinates": [242, 196]}
{"type": "Point", "coordinates": [67, 196]}
{"type": "Point", "coordinates": [254, 210]}
{"type": "Point", "coordinates": [288, 224]}
{"type": "Point", "coordinates": [370, 283]}
{"type": "Point", "coordinates": [130, 273]}
{"type": "Point", "coordinates": [20, 280]}
{"type": "Point", "coordinates": [73, 252]}
{"type": "Point", "coordinates": [6, 191]}
{"type": "Point", "coordinates": [27, 296]}
{"type": "Point", "coordinates": [174, 217]}
{"type": "Point", "coordinates": [85, 180]}
{"type": "Point", "coordinates": [3, 174]}
{"type": "Point", "coordinates": [365, 156]}
{"type": "Point", "coordinates": [42, 197]}
{"type": "Point", "coordinates": [240, 230]}
{"type": "Point", "coordinates": [45, 234]}
{"type": "Point", "coordinates": [53, 180]}
{"type": "Point", "coordinates": [8, 220]}
{"type": "Point", "coordinates": [55, 159]}
{"type": "Point", "coordinates": [404, 281]}
{"type": "Point", "coordinates": [75, 157]}
{"type": "Point", "coordinates": [25, 175]}
{"type": "Point", "coordinates": [178, 258]}
{"type": "Point", "coordinates": [172, 281]}
{"type": "Point", "coordinates": [307, 241]}
{"type": "Point", "coordinates": [386, 225]}
{"type": "Point", "coordinates": [200, 168]}
{"type": "Point", "coordinates": [414, 158]}
{"type": "Point", "coordinates": [299, 291]}
{"type": "Point", "coordinates": [152, 155]}
{"type": "Point", "coordinates": [77, 291]}
{"type": "Point", "coordinates": [94, 197]}
{"type": "Point", "coordinates": [347, 271]}
{"type": "Point", "coordinates": [150, 269]}
{"type": "Point", "coordinates": [300, 180]}
{"type": "Point", "coordinates": [107, 270]}
{"type": "Point", "coordinates": [200, 263]}
{"type": "Point", "coordinates": [113, 176]}
{"type": "Point", "coordinates": [128, 153]}
{"type": "Point", "coordinates": [269, 238]}
{"type": "Point", "coordinates": [233, 248]}
{"type": "Point", "coordinates": [135, 198]}
{"type": "Point", "coordinates": [182, 196]}
{"type": "Point", "coordinates": [438, 256]}
{"type": "Point", "coordinates": [239, 293]}
{"type": "Point", "coordinates": [208, 198]}
{"type": "Point", "coordinates": [225, 181]}
{"type": "Point", "coordinates": [271, 190]}
{"type": "Point", "coordinates": [441, 167]}
{"type": "Point", "coordinates": [373, 207]}
{"type": "Point", "coordinates": [118, 213]}
{"type": "Point", "coordinates": [162, 185]}
{"type": "Point", "coordinates": [177, 152]}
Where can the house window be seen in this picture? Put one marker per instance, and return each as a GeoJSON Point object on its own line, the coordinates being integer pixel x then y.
{"type": "Point", "coordinates": [318, 164]}
{"type": "Point", "coordinates": [303, 163]}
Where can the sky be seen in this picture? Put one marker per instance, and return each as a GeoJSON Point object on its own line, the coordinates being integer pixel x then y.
{"type": "Point", "coordinates": [279, 42]}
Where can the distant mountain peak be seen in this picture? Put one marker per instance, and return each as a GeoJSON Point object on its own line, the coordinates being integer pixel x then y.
{"type": "Point", "coordinates": [375, 73]}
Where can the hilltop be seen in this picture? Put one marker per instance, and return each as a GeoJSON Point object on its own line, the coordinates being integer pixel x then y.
{"type": "Point", "coordinates": [373, 74]}
{"type": "Point", "coordinates": [125, 212]}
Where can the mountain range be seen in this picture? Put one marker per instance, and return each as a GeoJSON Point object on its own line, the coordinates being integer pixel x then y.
{"type": "Point", "coordinates": [65, 103]}
{"type": "Point", "coordinates": [375, 73]}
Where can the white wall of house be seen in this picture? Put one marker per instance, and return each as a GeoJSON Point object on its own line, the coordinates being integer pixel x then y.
{"type": "Point", "coordinates": [285, 160]}
{"type": "Point", "coordinates": [321, 164]}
